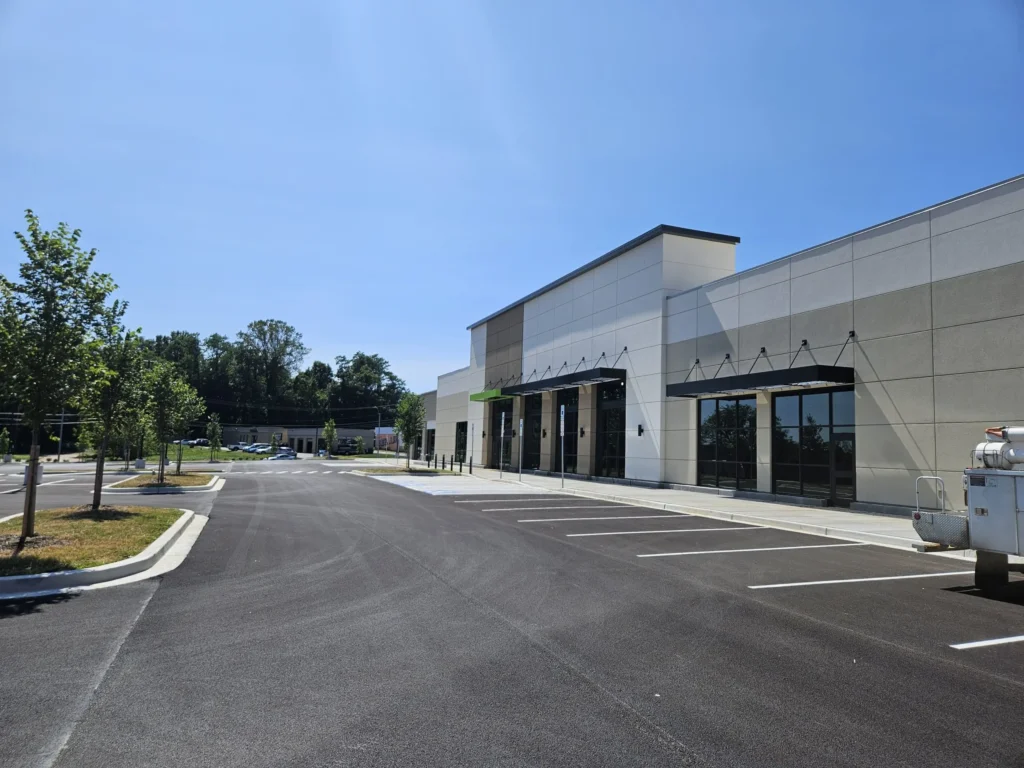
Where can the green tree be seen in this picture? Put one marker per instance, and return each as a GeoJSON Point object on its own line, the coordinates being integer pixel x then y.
{"type": "Point", "coordinates": [330, 436]}
{"type": "Point", "coordinates": [214, 433]}
{"type": "Point", "coordinates": [118, 389]}
{"type": "Point", "coordinates": [173, 405]}
{"type": "Point", "coordinates": [51, 319]}
{"type": "Point", "coordinates": [5, 442]}
{"type": "Point", "coordinates": [409, 421]}
{"type": "Point", "coordinates": [274, 445]}
{"type": "Point", "coordinates": [360, 445]}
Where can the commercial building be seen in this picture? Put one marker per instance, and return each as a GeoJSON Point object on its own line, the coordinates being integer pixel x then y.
{"type": "Point", "coordinates": [836, 375]}
{"type": "Point", "coordinates": [301, 439]}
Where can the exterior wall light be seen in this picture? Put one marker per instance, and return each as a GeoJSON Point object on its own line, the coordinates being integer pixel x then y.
{"type": "Point", "coordinates": [640, 430]}
{"type": "Point", "coordinates": [581, 432]}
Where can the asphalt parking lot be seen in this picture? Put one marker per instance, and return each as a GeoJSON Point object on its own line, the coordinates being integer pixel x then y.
{"type": "Point", "coordinates": [342, 620]}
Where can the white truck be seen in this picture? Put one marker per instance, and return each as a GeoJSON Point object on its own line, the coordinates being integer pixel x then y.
{"type": "Point", "coordinates": [993, 523]}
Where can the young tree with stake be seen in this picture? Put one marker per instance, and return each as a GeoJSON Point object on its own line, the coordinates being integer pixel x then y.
{"type": "Point", "coordinates": [50, 321]}
{"type": "Point", "coordinates": [330, 435]}
{"type": "Point", "coordinates": [409, 421]}
{"type": "Point", "coordinates": [120, 388]}
{"type": "Point", "coordinates": [214, 433]}
{"type": "Point", "coordinates": [173, 405]}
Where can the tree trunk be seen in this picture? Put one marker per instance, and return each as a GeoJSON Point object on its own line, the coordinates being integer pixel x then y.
{"type": "Point", "coordinates": [161, 460]}
{"type": "Point", "coordinates": [408, 454]}
{"type": "Point", "coordinates": [177, 470]}
{"type": "Point", "coordinates": [97, 488]}
{"type": "Point", "coordinates": [28, 518]}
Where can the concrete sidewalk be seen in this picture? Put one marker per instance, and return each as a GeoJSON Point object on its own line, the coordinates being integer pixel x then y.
{"type": "Point", "coordinates": [886, 530]}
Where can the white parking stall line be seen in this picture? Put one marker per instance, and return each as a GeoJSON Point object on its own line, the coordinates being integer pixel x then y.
{"type": "Point", "coordinates": [587, 519]}
{"type": "Point", "coordinates": [282, 472]}
{"type": "Point", "coordinates": [326, 471]}
{"type": "Point", "coordinates": [311, 472]}
{"type": "Point", "coordinates": [544, 509]}
{"type": "Point", "coordinates": [265, 473]}
{"type": "Point", "coordinates": [987, 643]}
{"type": "Point", "coordinates": [54, 482]}
{"type": "Point", "coordinates": [759, 549]}
{"type": "Point", "coordinates": [510, 501]}
{"type": "Point", "coordinates": [676, 530]}
{"type": "Point", "coordinates": [864, 579]}
{"type": "Point", "coordinates": [297, 472]}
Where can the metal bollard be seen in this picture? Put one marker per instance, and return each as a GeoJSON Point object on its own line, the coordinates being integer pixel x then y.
{"type": "Point", "coordinates": [442, 463]}
{"type": "Point", "coordinates": [471, 465]}
{"type": "Point", "coordinates": [460, 466]}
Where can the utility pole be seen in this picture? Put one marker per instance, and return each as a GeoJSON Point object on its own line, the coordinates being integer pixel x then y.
{"type": "Point", "coordinates": [501, 446]}
{"type": "Point", "coordinates": [60, 436]}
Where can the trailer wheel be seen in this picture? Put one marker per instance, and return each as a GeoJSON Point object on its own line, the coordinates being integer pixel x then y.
{"type": "Point", "coordinates": [991, 572]}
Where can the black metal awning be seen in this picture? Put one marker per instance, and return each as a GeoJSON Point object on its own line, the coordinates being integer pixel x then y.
{"type": "Point", "coordinates": [804, 376]}
{"type": "Point", "coordinates": [577, 379]}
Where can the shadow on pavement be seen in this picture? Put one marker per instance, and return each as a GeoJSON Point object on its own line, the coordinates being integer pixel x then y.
{"type": "Point", "coordinates": [12, 609]}
{"type": "Point", "coordinates": [1011, 594]}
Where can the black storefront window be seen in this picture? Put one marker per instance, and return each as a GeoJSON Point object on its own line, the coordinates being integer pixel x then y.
{"type": "Point", "coordinates": [727, 443]}
{"type": "Point", "coordinates": [813, 443]}
{"type": "Point", "coordinates": [461, 435]}
{"type": "Point", "coordinates": [532, 406]}
{"type": "Point", "coordinates": [610, 458]}
{"type": "Point", "coordinates": [570, 398]}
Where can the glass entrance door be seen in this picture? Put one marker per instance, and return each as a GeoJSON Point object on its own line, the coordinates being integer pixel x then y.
{"type": "Point", "coordinates": [611, 430]}
{"type": "Point", "coordinates": [813, 445]}
{"type": "Point", "coordinates": [501, 450]}
{"type": "Point", "coordinates": [570, 398]}
{"type": "Point", "coordinates": [532, 405]}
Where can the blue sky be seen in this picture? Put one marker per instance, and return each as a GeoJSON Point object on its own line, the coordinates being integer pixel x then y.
{"type": "Point", "coordinates": [382, 173]}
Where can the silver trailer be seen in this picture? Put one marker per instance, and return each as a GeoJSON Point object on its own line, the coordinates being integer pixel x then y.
{"type": "Point", "coordinates": [993, 522]}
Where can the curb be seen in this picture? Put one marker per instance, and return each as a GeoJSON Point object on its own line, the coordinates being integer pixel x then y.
{"type": "Point", "coordinates": [210, 486]}
{"type": "Point", "coordinates": [15, 586]}
{"type": "Point", "coordinates": [881, 539]}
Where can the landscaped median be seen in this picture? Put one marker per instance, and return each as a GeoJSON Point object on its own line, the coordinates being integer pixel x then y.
{"type": "Point", "coordinates": [76, 546]}
{"type": "Point", "coordinates": [186, 482]}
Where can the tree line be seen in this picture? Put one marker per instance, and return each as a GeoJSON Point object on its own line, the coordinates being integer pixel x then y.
{"type": "Point", "coordinates": [65, 346]}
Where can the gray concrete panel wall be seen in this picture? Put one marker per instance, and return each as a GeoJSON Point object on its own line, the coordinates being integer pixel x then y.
{"type": "Point", "coordinates": [937, 303]}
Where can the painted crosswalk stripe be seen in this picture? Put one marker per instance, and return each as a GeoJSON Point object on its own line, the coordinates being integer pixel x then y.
{"type": "Point", "coordinates": [759, 549]}
{"type": "Point", "coordinates": [265, 473]}
{"type": "Point", "coordinates": [589, 519]}
{"type": "Point", "coordinates": [297, 472]}
{"type": "Point", "coordinates": [510, 501]}
{"type": "Point", "coordinates": [987, 643]}
{"type": "Point", "coordinates": [327, 472]}
{"type": "Point", "coordinates": [544, 509]}
{"type": "Point", "coordinates": [282, 472]}
{"type": "Point", "coordinates": [864, 579]}
{"type": "Point", "coordinates": [676, 530]}
{"type": "Point", "coordinates": [311, 472]}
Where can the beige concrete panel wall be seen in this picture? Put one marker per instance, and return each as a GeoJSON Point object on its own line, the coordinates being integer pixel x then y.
{"type": "Point", "coordinates": [991, 396]}
{"type": "Point", "coordinates": [587, 445]}
{"type": "Point", "coordinates": [773, 335]}
{"type": "Point", "coordinates": [897, 401]}
{"type": "Point", "coordinates": [896, 486]}
{"type": "Point", "coordinates": [549, 428]}
{"type": "Point", "coordinates": [905, 356]}
{"type": "Point", "coordinates": [979, 296]}
{"type": "Point", "coordinates": [829, 326]}
{"type": "Point", "coordinates": [517, 414]}
{"type": "Point", "coordinates": [988, 345]}
{"type": "Point", "coordinates": [679, 356]}
{"type": "Point", "coordinates": [680, 471]}
{"type": "Point", "coordinates": [429, 405]}
{"type": "Point", "coordinates": [764, 443]}
{"type": "Point", "coordinates": [893, 314]}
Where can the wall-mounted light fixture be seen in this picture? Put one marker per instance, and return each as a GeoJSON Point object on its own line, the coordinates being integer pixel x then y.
{"type": "Point", "coordinates": [483, 433]}
{"type": "Point", "coordinates": [513, 433]}
{"type": "Point", "coordinates": [640, 430]}
{"type": "Point", "coordinates": [543, 432]}
{"type": "Point", "coordinates": [581, 432]}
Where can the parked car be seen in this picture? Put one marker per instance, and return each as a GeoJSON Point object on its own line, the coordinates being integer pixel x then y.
{"type": "Point", "coordinates": [235, 447]}
{"type": "Point", "coordinates": [282, 457]}
{"type": "Point", "coordinates": [255, 447]}
{"type": "Point", "coordinates": [264, 449]}
{"type": "Point", "coordinates": [347, 446]}
{"type": "Point", "coordinates": [200, 442]}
